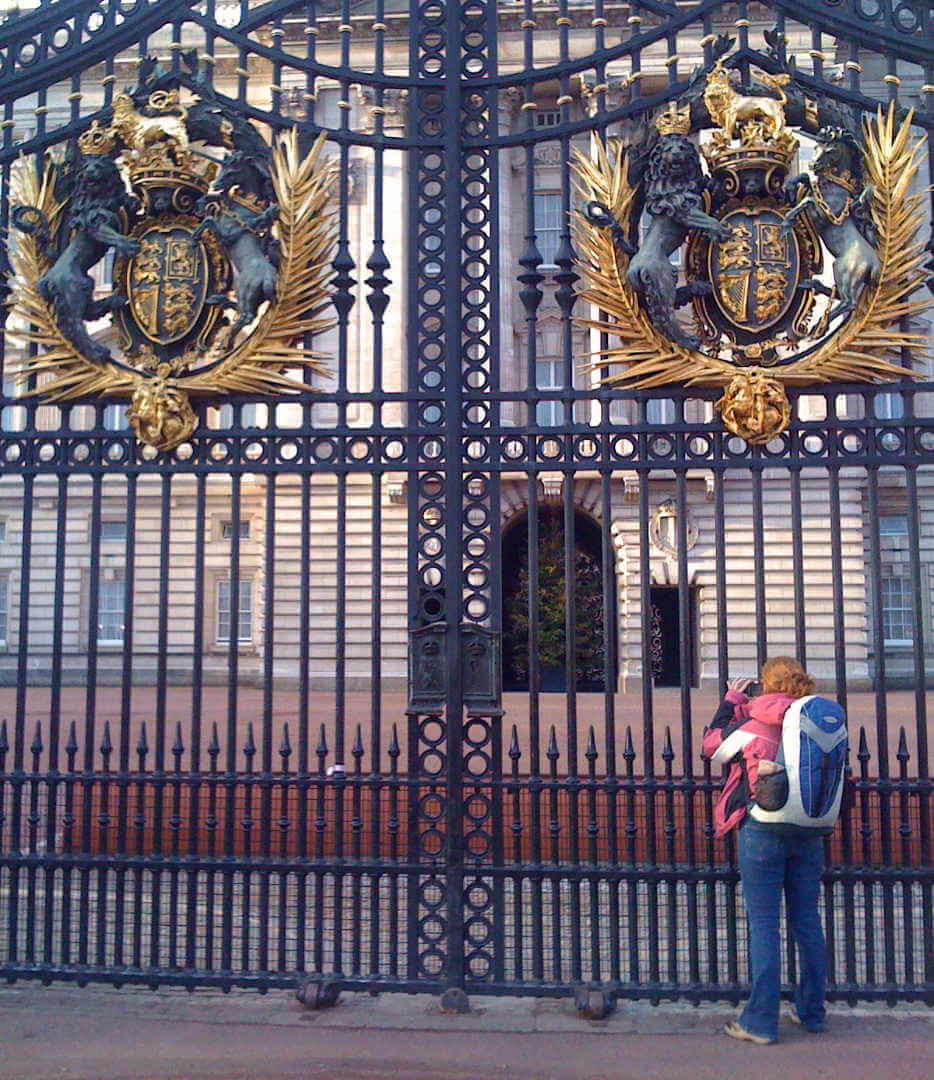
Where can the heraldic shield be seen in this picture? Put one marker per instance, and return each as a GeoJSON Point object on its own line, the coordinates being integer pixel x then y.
{"type": "Point", "coordinates": [755, 272]}
{"type": "Point", "coordinates": [751, 309]}
{"type": "Point", "coordinates": [167, 281]}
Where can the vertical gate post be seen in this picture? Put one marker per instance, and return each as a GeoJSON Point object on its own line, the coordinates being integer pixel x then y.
{"type": "Point", "coordinates": [453, 496]}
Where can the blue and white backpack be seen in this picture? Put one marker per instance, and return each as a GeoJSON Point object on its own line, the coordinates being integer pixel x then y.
{"type": "Point", "coordinates": [807, 790]}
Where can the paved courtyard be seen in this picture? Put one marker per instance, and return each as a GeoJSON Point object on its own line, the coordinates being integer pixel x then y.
{"type": "Point", "coordinates": [129, 1034]}
{"type": "Point", "coordinates": [862, 711]}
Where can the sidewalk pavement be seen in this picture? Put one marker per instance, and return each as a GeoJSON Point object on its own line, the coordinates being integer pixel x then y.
{"type": "Point", "coordinates": [130, 1034]}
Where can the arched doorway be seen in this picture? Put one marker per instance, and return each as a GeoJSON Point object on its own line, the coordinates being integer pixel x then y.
{"type": "Point", "coordinates": [591, 638]}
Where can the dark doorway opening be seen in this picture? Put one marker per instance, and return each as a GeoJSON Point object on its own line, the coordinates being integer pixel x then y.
{"type": "Point", "coordinates": [666, 636]}
{"type": "Point", "coordinates": [591, 639]}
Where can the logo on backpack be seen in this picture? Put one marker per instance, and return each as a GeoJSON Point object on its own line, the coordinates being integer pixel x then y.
{"type": "Point", "coordinates": [806, 786]}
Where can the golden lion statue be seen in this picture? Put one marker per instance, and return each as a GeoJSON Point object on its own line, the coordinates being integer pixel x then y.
{"type": "Point", "coordinates": [727, 108]}
{"type": "Point", "coordinates": [139, 133]}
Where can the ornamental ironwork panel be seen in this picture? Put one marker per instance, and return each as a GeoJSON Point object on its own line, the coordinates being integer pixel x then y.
{"type": "Point", "coordinates": [412, 414]}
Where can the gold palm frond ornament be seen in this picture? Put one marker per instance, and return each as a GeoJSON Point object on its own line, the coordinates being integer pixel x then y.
{"type": "Point", "coordinates": [254, 233]}
{"type": "Point", "coordinates": [749, 262]}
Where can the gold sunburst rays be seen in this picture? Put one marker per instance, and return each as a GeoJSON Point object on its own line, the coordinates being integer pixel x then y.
{"type": "Point", "coordinates": [867, 347]}
{"type": "Point", "coordinates": [257, 365]}
{"type": "Point", "coordinates": [307, 229]}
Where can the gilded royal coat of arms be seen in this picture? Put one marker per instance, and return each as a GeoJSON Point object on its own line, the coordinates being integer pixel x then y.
{"type": "Point", "coordinates": [787, 279]}
{"type": "Point", "coordinates": [221, 261]}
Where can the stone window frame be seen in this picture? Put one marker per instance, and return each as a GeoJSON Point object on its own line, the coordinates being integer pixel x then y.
{"type": "Point", "coordinates": [213, 576]}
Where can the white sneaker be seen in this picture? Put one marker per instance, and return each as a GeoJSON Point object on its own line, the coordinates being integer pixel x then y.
{"type": "Point", "coordinates": [736, 1031]}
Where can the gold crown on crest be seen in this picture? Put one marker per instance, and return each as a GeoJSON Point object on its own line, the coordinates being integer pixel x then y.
{"type": "Point", "coordinates": [755, 147]}
{"type": "Point", "coordinates": [96, 140]}
{"type": "Point", "coordinates": [675, 121]}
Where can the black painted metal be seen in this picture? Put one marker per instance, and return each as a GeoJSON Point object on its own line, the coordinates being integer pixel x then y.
{"type": "Point", "coordinates": [208, 847]}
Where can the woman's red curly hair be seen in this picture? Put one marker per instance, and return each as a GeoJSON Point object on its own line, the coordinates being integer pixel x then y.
{"type": "Point", "coordinates": [784, 675]}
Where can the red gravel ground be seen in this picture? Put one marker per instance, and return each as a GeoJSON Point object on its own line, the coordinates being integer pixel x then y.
{"type": "Point", "coordinates": [862, 710]}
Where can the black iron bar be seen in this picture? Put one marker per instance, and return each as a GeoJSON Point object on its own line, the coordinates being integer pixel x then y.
{"type": "Point", "coordinates": [103, 841]}
{"type": "Point", "coordinates": [304, 661]}
{"type": "Point", "coordinates": [4, 750]}
{"type": "Point", "coordinates": [554, 833]}
{"type": "Point", "coordinates": [648, 720]}
{"type": "Point", "coordinates": [610, 660]}
{"type": "Point", "coordinates": [158, 777]}
{"type": "Point", "coordinates": [515, 789]}
{"type": "Point", "coordinates": [866, 834]}
{"type": "Point", "coordinates": [68, 824]}
{"type": "Point", "coordinates": [32, 820]}
{"type": "Point", "coordinates": [126, 707]}
{"type": "Point", "coordinates": [836, 577]}
{"type": "Point", "coordinates": [90, 709]}
{"type": "Point", "coordinates": [193, 878]}
{"type": "Point", "coordinates": [593, 832]}
{"type": "Point", "coordinates": [356, 833]}
{"type": "Point", "coordinates": [882, 727]}
{"type": "Point", "coordinates": [139, 826]}
{"type": "Point", "coordinates": [321, 752]}
{"type": "Point", "coordinates": [671, 832]}
{"type": "Point", "coordinates": [248, 787]}
{"type": "Point", "coordinates": [284, 824]}
{"type": "Point", "coordinates": [211, 823]}
{"type": "Point", "coordinates": [797, 564]}
{"type": "Point", "coordinates": [921, 714]}
{"type": "Point", "coordinates": [723, 673]}
{"type": "Point", "coordinates": [175, 826]}
{"type": "Point", "coordinates": [905, 834]}
{"type": "Point", "coordinates": [55, 714]}
{"type": "Point", "coordinates": [230, 772]}
{"type": "Point", "coordinates": [686, 662]}
{"type": "Point", "coordinates": [632, 832]}
{"type": "Point", "coordinates": [758, 560]}
{"type": "Point", "coordinates": [266, 779]}
{"type": "Point", "coordinates": [376, 785]}
{"type": "Point", "coordinates": [394, 826]}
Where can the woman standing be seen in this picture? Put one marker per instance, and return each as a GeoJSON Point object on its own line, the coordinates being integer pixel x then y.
{"type": "Point", "coordinates": [747, 733]}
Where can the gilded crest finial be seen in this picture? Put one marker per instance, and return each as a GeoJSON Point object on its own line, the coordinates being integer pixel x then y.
{"type": "Point", "coordinates": [674, 121]}
{"type": "Point", "coordinates": [96, 140]}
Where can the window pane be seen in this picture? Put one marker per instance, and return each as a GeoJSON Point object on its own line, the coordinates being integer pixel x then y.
{"type": "Point", "coordinates": [548, 377]}
{"type": "Point", "coordinates": [113, 530]}
{"type": "Point", "coordinates": [115, 418]}
{"type": "Point", "coordinates": [227, 530]}
{"type": "Point", "coordinates": [897, 621]}
{"type": "Point", "coordinates": [110, 613]}
{"type": "Point", "coordinates": [547, 225]}
{"type": "Point", "coordinates": [246, 611]}
{"type": "Point", "coordinates": [245, 628]}
{"type": "Point", "coordinates": [893, 525]}
{"type": "Point", "coordinates": [660, 411]}
{"type": "Point", "coordinates": [223, 611]}
{"type": "Point", "coordinates": [889, 406]}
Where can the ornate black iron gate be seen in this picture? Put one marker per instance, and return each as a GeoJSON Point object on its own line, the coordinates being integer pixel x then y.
{"type": "Point", "coordinates": [231, 753]}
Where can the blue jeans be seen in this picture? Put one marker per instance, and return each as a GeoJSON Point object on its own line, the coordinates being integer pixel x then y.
{"type": "Point", "coordinates": [769, 863]}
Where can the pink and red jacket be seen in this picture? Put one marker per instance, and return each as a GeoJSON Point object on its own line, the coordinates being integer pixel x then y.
{"type": "Point", "coordinates": [743, 733]}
